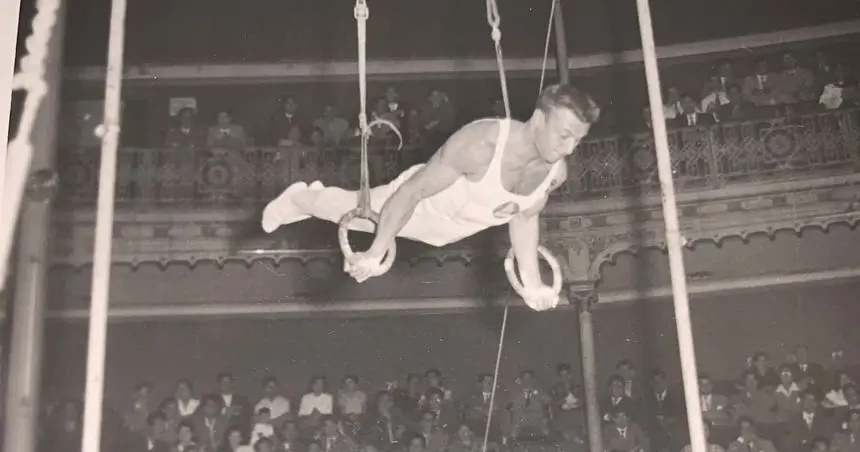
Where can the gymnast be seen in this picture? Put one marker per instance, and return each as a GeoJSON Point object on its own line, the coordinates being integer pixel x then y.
{"type": "Point", "coordinates": [488, 173]}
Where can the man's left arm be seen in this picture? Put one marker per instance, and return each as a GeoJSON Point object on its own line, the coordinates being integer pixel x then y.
{"type": "Point", "coordinates": [524, 230]}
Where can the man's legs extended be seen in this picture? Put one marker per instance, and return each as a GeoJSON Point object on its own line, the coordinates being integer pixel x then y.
{"type": "Point", "coordinates": [301, 201]}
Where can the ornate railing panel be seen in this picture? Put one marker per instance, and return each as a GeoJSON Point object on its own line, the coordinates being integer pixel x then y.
{"type": "Point", "coordinates": [763, 150]}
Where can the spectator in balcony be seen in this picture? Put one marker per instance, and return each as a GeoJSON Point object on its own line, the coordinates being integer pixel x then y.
{"type": "Point", "coordinates": [141, 406]}
{"type": "Point", "coordinates": [476, 408]}
{"type": "Point", "coordinates": [529, 406]}
{"type": "Point", "coordinates": [443, 410]}
{"type": "Point", "coordinates": [151, 440]}
{"type": "Point", "coordinates": [715, 407]}
{"type": "Point", "coordinates": [848, 440]}
{"type": "Point", "coordinates": [210, 424]}
{"type": "Point", "coordinates": [235, 407]}
{"type": "Point", "coordinates": [748, 440]}
{"type": "Point", "coordinates": [672, 104]}
{"type": "Point", "coordinates": [568, 415]}
{"type": "Point", "coordinates": [286, 127]}
{"type": "Point", "coordinates": [435, 380]}
{"type": "Point", "coordinates": [810, 375]}
{"type": "Point", "coordinates": [689, 115]}
{"type": "Point", "coordinates": [767, 376]}
{"type": "Point", "coordinates": [435, 438]}
{"type": "Point", "coordinates": [711, 447]}
{"type": "Point", "coordinates": [787, 395]}
{"type": "Point", "coordinates": [836, 396]}
{"type": "Point", "coordinates": [465, 441]}
{"type": "Point", "coordinates": [170, 409]}
{"type": "Point", "coordinates": [186, 135]}
{"type": "Point", "coordinates": [496, 108]}
{"type": "Point", "coordinates": [726, 75]}
{"type": "Point", "coordinates": [852, 401]}
{"type": "Point", "coordinates": [632, 384]}
{"type": "Point", "coordinates": [235, 441]}
{"type": "Point", "coordinates": [665, 410]}
{"type": "Point", "coordinates": [185, 400]}
{"type": "Point", "coordinates": [822, 70]}
{"type": "Point", "coordinates": [225, 134]}
{"type": "Point", "coordinates": [436, 120]}
{"type": "Point", "coordinates": [316, 403]}
{"type": "Point", "coordinates": [262, 425]}
{"type": "Point", "coordinates": [622, 434]}
{"type": "Point", "coordinates": [616, 399]}
{"type": "Point", "coordinates": [351, 400]}
{"type": "Point", "coordinates": [64, 428]}
{"type": "Point", "coordinates": [838, 90]}
{"type": "Point", "coordinates": [186, 438]}
{"type": "Point", "coordinates": [333, 438]}
{"type": "Point", "coordinates": [738, 108]}
{"type": "Point", "coordinates": [795, 83]}
{"type": "Point", "coordinates": [386, 427]}
{"type": "Point", "coordinates": [289, 437]}
{"type": "Point", "coordinates": [754, 402]}
{"type": "Point", "coordinates": [395, 108]}
{"type": "Point", "coordinates": [382, 133]}
{"type": "Point", "coordinates": [278, 405]}
{"type": "Point", "coordinates": [408, 399]}
{"type": "Point", "coordinates": [811, 422]}
{"type": "Point", "coordinates": [333, 126]}
{"type": "Point", "coordinates": [264, 445]}
{"type": "Point", "coordinates": [715, 95]}
{"type": "Point", "coordinates": [759, 87]}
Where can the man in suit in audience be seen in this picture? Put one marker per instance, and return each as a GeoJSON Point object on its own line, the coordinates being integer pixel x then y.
{"type": "Point", "coordinates": [623, 435]}
{"type": "Point", "coordinates": [476, 408]}
{"type": "Point", "coordinates": [225, 134]}
{"type": "Point", "coordinates": [210, 423]}
{"type": "Point", "coordinates": [738, 108]}
{"type": "Point", "coordinates": [809, 375]}
{"type": "Point", "coordinates": [758, 88]}
{"type": "Point", "coordinates": [151, 440]}
{"type": "Point", "coordinates": [689, 116]}
{"type": "Point", "coordinates": [236, 408]}
{"type": "Point", "coordinates": [529, 407]}
{"type": "Point", "coordinates": [617, 400]}
{"type": "Point", "coordinates": [848, 440]}
{"type": "Point", "coordinates": [435, 438]}
{"type": "Point", "coordinates": [799, 431]}
{"type": "Point", "coordinates": [748, 440]}
{"type": "Point", "coordinates": [665, 410]}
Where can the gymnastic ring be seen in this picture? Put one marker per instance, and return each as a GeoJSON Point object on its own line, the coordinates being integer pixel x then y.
{"type": "Point", "coordinates": [346, 248]}
{"type": "Point", "coordinates": [557, 279]}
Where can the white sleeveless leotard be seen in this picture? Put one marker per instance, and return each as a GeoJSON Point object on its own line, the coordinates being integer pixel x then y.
{"type": "Point", "coordinates": [466, 208]}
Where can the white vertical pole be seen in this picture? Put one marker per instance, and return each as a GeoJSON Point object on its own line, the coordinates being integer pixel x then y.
{"type": "Point", "coordinates": [673, 233]}
{"type": "Point", "coordinates": [94, 396]}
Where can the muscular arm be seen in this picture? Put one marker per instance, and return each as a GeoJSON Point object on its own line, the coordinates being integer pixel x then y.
{"type": "Point", "coordinates": [463, 154]}
{"type": "Point", "coordinates": [524, 230]}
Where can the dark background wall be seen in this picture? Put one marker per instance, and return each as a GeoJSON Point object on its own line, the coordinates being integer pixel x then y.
{"type": "Point", "coordinates": [728, 328]}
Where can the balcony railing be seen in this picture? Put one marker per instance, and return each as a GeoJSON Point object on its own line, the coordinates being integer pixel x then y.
{"type": "Point", "coordinates": [813, 145]}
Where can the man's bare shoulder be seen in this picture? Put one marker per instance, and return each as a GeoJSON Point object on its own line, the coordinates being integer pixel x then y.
{"type": "Point", "coordinates": [471, 148]}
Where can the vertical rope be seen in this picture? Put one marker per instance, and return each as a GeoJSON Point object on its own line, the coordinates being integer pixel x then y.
{"type": "Point", "coordinates": [495, 379]}
{"type": "Point", "coordinates": [546, 47]}
{"type": "Point", "coordinates": [109, 132]}
{"type": "Point", "coordinates": [361, 13]}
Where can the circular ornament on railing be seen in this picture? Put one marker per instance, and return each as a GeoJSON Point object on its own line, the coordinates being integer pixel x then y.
{"type": "Point", "coordinates": [216, 174]}
{"type": "Point", "coordinates": [779, 144]}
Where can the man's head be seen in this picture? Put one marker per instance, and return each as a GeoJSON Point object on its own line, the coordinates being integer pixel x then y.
{"type": "Point", "coordinates": [852, 396]}
{"type": "Point", "coordinates": [724, 69]}
{"type": "Point", "coordinates": [465, 434]}
{"type": "Point", "coordinates": [561, 120]}
{"type": "Point", "coordinates": [616, 386]}
{"type": "Point", "coordinates": [143, 391]}
{"type": "Point", "coordinates": [789, 61]}
{"type": "Point", "coordinates": [290, 105]}
{"type": "Point", "coordinates": [820, 444]}
{"type": "Point", "coordinates": [749, 380]}
{"type": "Point", "coordinates": [809, 402]}
{"type": "Point", "coordinates": [264, 415]}
{"type": "Point", "coordinates": [186, 117]}
{"type": "Point", "coordinates": [434, 378]}
{"type": "Point", "coordinates": [413, 382]}
{"type": "Point", "coordinates": [734, 93]}
{"type": "Point", "coordinates": [331, 427]}
{"type": "Point", "coordinates": [428, 420]}
{"type": "Point", "coordinates": [485, 381]}
{"type": "Point", "coordinates": [853, 421]}
{"type": "Point", "coordinates": [761, 66]}
{"type": "Point", "coordinates": [289, 431]}
{"type": "Point", "coordinates": [184, 390]}
{"type": "Point", "coordinates": [391, 94]}
{"type": "Point", "coordinates": [224, 118]}
{"type": "Point", "coordinates": [621, 418]}
{"type": "Point", "coordinates": [688, 104]}
{"type": "Point", "coordinates": [350, 382]}
{"type": "Point", "coordinates": [673, 95]}
{"type": "Point", "coordinates": [434, 398]}
{"type": "Point", "coordinates": [317, 385]}
{"type": "Point", "coordinates": [270, 385]}
{"type": "Point", "coordinates": [563, 371]}
{"type": "Point", "coordinates": [801, 354]}
{"type": "Point", "coordinates": [527, 379]}
{"type": "Point", "coordinates": [705, 384]}
{"type": "Point", "coordinates": [625, 369]}
{"type": "Point", "coordinates": [211, 406]}
{"type": "Point", "coordinates": [746, 426]}
{"type": "Point", "coordinates": [786, 375]}
{"type": "Point", "coordinates": [225, 383]}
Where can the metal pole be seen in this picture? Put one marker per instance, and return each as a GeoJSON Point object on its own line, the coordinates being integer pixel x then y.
{"type": "Point", "coordinates": [561, 57]}
{"type": "Point", "coordinates": [29, 305]}
{"type": "Point", "coordinates": [673, 233]}
{"type": "Point", "coordinates": [589, 376]}
{"type": "Point", "coordinates": [94, 395]}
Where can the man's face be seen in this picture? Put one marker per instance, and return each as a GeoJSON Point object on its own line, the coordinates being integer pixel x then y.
{"type": "Point", "coordinates": [211, 408]}
{"type": "Point", "coordinates": [726, 70]}
{"type": "Point", "coordinates": [747, 431]}
{"type": "Point", "coordinates": [750, 382]}
{"type": "Point", "coordinates": [486, 384]}
{"type": "Point", "coordinates": [224, 119]}
{"type": "Point", "coordinates": [328, 111]}
{"type": "Point", "coordinates": [385, 402]}
{"type": "Point", "coordinates": [528, 380]}
{"type": "Point", "coordinates": [427, 421]}
{"type": "Point", "coordinates": [414, 383]}
{"type": "Point", "coordinates": [786, 377]}
{"type": "Point", "coordinates": [627, 372]}
{"type": "Point", "coordinates": [851, 396]}
{"type": "Point", "coordinates": [186, 118]}
{"type": "Point", "coordinates": [434, 380]}
{"type": "Point", "coordinates": [621, 420]}
{"type": "Point", "coordinates": [317, 386]}
{"type": "Point", "coordinates": [271, 388]}
{"type": "Point", "coordinates": [290, 106]}
{"type": "Point", "coordinates": [561, 132]}
{"type": "Point", "coordinates": [705, 386]}
{"type": "Point", "coordinates": [289, 431]}
{"type": "Point", "coordinates": [809, 404]}
{"type": "Point", "coordinates": [616, 388]}
{"type": "Point", "coordinates": [761, 67]}
{"type": "Point", "coordinates": [659, 383]}
{"type": "Point", "coordinates": [465, 434]}
{"type": "Point", "coordinates": [735, 95]}
{"type": "Point", "coordinates": [688, 105]}
{"type": "Point", "coordinates": [564, 375]}
{"type": "Point", "coordinates": [435, 402]}
{"type": "Point", "coordinates": [789, 61]}
{"type": "Point", "coordinates": [674, 95]}
{"type": "Point", "coordinates": [330, 428]}
{"type": "Point", "coordinates": [801, 354]}
{"type": "Point", "coordinates": [225, 383]}
{"type": "Point", "coordinates": [391, 94]}
{"type": "Point", "coordinates": [854, 423]}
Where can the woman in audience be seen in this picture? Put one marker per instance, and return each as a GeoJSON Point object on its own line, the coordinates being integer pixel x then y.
{"type": "Point", "coordinates": [351, 401]}
{"type": "Point", "coordinates": [185, 400]}
{"type": "Point", "coordinates": [186, 439]}
{"type": "Point", "coordinates": [835, 397]}
{"type": "Point", "coordinates": [465, 441]}
{"type": "Point", "coordinates": [234, 441]}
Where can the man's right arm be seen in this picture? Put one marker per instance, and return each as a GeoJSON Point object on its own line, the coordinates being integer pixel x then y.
{"type": "Point", "coordinates": [464, 153]}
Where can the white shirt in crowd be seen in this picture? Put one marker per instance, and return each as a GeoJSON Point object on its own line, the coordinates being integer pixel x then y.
{"type": "Point", "coordinates": [278, 406]}
{"type": "Point", "coordinates": [262, 431]}
{"type": "Point", "coordinates": [323, 403]}
{"type": "Point", "coordinates": [717, 99]}
{"type": "Point", "coordinates": [187, 408]}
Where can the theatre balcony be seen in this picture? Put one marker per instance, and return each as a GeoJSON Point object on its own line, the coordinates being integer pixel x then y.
{"type": "Point", "coordinates": [752, 195]}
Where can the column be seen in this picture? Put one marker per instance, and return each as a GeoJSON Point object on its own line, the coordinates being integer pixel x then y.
{"type": "Point", "coordinates": [585, 296]}
{"type": "Point", "coordinates": [561, 57]}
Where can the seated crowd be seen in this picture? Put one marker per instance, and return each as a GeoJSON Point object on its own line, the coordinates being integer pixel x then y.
{"type": "Point", "coordinates": [799, 406]}
{"type": "Point", "coordinates": [725, 96]}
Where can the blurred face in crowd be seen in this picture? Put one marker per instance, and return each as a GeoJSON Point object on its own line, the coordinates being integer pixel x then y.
{"type": "Point", "coordinates": [747, 430]}
{"type": "Point", "coordinates": [621, 420]}
{"type": "Point", "coordinates": [185, 435]}
{"type": "Point", "coordinates": [225, 384]}
{"type": "Point", "coordinates": [290, 106]}
{"type": "Point", "coordinates": [486, 383]}
{"type": "Point", "coordinates": [688, 105]}
{"type": "Point", "coordinates": [211, 407]}
{"type": "Point", "coordinates": [854, 422]}
{"type": "Point", "coordinates": [725, 69]}
{"type": "Point", "coordinates": [416, 444]}
{"type": "Point", "coordinates": [659, 383]}
{"type": "Point", "coordinates": [224, 119]}
{"type": "Point", "coordinates": [350, 384]}
{"type": "Point", "coordinates": [616, 387]}
{"type": "Point", "coordinates": [809, 403]}
{"type": "Point", "coordinates": [391, 95]}
{"type": "Point", "coordinates": [761, 67]}
{"type": "Point", "coordinates": [705, 386]}
{"type": "Point", "coordinates": [183, 390]}
{"type": "Point", "coordinates": [330, 428]}
{"type": "Point", "coordinates": [318, 386]}
{"type": "Point", "coordinates": [186, 117]}
{"type": "Point", "coordinates": [786, 377]}
{"type": "Point", "coordinates": [465, 434]}
{"type": "Point", "coordinates": [234, 439]}
{"type": "Point", "coordinates": [270, 388]}
{"type": "Point", "coordinates": [735, 94]}
{"type": "Point", "coordinates": [789, 61]}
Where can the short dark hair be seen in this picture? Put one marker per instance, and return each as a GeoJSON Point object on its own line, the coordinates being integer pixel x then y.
{"type": "Point", "coordinates": [570, 98]}
{"type": "Point", "coordinates": [154, 417]}
{"type": "Point", "coordinates": [563, 367]}
{"type": "Point", "coordinates": [269, 379]}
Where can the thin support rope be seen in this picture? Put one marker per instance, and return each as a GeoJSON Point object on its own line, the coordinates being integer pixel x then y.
{"type": "Point", "coordinates": [673, 234]}
{"type": "Point", "coordinates": [30, 79]}
{"type": "Point", "coordinates": [109, 132]}
{"type": "Point", "coordinates": [546, 47]}
{"type": "Point", "coordinates": [495, 379]}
